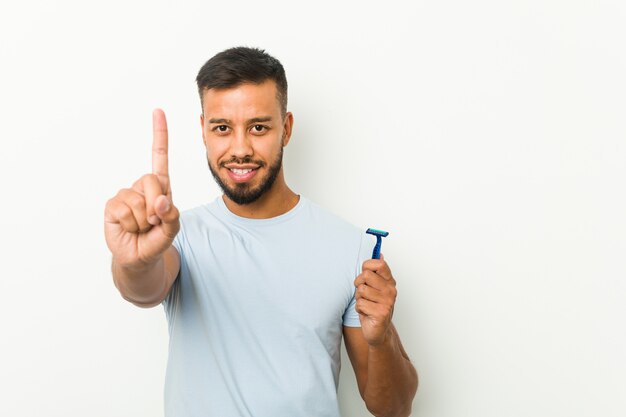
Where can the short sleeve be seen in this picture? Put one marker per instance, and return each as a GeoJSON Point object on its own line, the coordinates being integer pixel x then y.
{"type": "Point", "coordinates": [171, 299]}
{"type": "Point", "coordinates": [350, 316]}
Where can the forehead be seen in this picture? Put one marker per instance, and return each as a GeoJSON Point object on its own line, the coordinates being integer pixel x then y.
{"type": "Point", "coordinates": [243, 101]}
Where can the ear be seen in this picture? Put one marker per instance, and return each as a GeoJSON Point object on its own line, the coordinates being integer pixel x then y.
{"type": "Point", "coordinates": [287, 128]}
{"type": "Point", "coordinates": [202, 127]}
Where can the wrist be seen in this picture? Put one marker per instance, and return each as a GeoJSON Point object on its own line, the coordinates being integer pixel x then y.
{"type": "Point", "coordinates": [137, 267]}
{"type": "Point", "coordinates": [384, 343]}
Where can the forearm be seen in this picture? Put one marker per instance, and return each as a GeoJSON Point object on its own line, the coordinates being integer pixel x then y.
{"type": "Point", "coordinates": [391, 379]}
{"type": "Point", "coordinates": [143, 285]}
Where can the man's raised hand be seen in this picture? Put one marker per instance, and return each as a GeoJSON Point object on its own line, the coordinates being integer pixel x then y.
{"type": "Point", "coordinates": [141, 222]}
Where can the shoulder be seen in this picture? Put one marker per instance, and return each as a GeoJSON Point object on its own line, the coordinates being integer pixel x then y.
{"type": "Point", "coordinates": [330, 221]}
{"type": "Point", "coordinates": [197, 221]}
{"type": "Point", "coordinates": [338, 230]}
{"type": "Point", "coordinates": [195, 214]}
{"type": "Point", "coordinates": [345, 231]}
{"type": "Point", "coordinates": [202, 214]}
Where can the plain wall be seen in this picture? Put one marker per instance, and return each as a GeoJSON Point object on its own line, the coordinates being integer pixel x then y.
{"type": "Point", "coordinates": [488, 137]}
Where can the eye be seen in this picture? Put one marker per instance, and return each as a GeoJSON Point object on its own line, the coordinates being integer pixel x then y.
{"type": "Point", "coordinates": [259, 129]}
{"type": "Point", "coordinates": [221, 129]}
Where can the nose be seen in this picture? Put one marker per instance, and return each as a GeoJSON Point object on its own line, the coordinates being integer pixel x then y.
{"type": "Point", "coordinates": [241, 145]}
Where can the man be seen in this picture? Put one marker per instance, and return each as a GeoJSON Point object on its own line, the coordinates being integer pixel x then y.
{"type": "Point", "coordinates": [260, 285]}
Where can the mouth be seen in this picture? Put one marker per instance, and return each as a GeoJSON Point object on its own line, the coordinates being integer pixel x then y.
{"type": "Point", "coordinates": [241, 174]}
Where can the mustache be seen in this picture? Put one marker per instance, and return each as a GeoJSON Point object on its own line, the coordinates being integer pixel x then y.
{"type": "Point", "coordinates": [245, 160]}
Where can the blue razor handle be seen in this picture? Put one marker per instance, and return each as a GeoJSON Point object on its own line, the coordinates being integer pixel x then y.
{"type": "Point", "coordinates": [380, 234]}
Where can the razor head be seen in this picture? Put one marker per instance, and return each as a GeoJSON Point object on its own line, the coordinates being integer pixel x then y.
{"type": "Point", "coordinates": [377, 232]}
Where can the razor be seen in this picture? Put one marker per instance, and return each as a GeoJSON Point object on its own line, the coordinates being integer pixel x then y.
{"type": "Point", "coordinates": [380, 234]}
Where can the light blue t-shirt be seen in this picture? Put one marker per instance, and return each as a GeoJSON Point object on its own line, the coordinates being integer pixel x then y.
{"type": "Point", "coordinates": [255, 316]}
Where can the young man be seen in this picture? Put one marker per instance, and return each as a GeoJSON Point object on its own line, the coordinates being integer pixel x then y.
{"type": "Point", "coordinates": [260, 285]}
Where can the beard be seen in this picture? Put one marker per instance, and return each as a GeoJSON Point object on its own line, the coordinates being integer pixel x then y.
{"type": "Point", "coordinates": [243, 193]}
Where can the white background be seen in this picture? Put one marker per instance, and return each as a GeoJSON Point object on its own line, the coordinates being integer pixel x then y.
{"type": "Point", "coordinates": [487, 136]}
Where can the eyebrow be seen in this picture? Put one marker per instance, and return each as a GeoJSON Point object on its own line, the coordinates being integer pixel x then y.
{"type": "Point", "coordinates": [253, 120]}
{"type": "Point", "coordinates": [219, 121]}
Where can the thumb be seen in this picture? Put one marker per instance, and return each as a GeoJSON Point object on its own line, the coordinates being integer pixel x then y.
{"type": "Point", "coordinates": [168, 214]}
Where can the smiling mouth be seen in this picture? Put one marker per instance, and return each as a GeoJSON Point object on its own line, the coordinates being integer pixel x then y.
{"type": "Point", "coordinates": [242, 170]}
{"type": "Point", "coordinates": [239, 171]}
{"type": "Point", "coordinates": [241, 175]}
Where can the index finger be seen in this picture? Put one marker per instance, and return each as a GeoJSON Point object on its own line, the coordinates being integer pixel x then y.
{"type": "Point", "coordinates": [159, 144]}
{"type": "Point", "coordinates": [379, 266]}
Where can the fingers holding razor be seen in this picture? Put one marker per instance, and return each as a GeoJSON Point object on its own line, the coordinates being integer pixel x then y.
{"type": "Point", "coordinates": [375, 299]}
{"type": "Point", "coordinates": [376, 287]}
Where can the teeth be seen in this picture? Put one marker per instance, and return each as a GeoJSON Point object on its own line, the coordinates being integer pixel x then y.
{"type": "Point", "coordinates": [240, 171]}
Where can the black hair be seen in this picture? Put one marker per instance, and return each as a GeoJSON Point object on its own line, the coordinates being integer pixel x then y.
{"type": "Point", "coordinates": [239, 65]}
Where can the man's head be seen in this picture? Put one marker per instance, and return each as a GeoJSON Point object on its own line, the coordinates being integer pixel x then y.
{"type": "Point", "coordinates": [236, 66]}
{"type": "Point", "coordinates": [245, 123]}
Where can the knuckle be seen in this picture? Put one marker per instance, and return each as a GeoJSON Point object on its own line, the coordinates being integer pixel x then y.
{"type": "Point", "coordinates": [147, 180]}
{"type": "Point", "coordinates": [136, 201]}
{"type": "Point", "coordinates": [138, 185]}
{"type": "Point", "coordinates": [124, 212]}
{"type": "Point", "coordinates": [121, 194]}
{"type": "Point", "coordinates": [159, 149]}
{"type": "Point", "coordinates": [110, 204]}
{"type": "Point", "coordinates": [393, 291]}
{"type": "Point", "coordinates": [358, 279]}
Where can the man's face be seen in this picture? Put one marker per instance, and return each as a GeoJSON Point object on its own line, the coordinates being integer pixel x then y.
{"type": "Point", "coordinates": [244, 134]}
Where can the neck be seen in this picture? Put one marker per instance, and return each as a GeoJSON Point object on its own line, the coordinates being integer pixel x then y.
{"type": "Point", "coordinates": [276, 201]}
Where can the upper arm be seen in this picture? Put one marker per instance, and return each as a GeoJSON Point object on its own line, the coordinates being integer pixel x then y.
{"type": "Point", "coordinates": [358, 351]}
